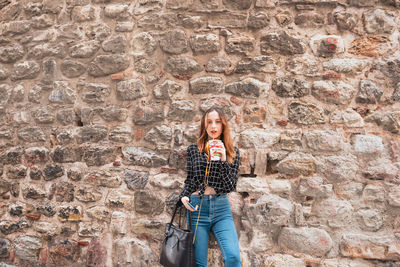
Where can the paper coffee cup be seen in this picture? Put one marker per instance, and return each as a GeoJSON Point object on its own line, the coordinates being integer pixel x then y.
{"type": "Point", "coordinates": [214, 144]}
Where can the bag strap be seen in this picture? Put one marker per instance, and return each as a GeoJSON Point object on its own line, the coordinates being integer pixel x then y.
{"type": "Point", "coordinates": [180, 217]}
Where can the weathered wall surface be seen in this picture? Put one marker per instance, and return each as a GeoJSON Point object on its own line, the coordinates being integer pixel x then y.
{"type": "Point", "coordinates": [100, 98]}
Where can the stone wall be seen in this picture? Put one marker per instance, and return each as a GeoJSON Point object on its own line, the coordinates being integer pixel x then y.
{"type": "Point", "coordinates": [100, 98]}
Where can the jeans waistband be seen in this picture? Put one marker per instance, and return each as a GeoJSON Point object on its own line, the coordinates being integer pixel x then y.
{"type": "Point", "coordinates": [206, 197]}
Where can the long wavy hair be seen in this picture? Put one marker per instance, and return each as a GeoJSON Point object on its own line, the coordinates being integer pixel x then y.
{"type": "Point", "coordinates": [225, 135]}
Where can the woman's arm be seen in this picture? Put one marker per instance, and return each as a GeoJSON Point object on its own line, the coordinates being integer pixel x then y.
{"type": "Point", "coordinates": [189, 186]}
{"type": "Point", "coordinates": [229, 173]}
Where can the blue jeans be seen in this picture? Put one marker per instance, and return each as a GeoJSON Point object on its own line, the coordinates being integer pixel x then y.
{"type": "Point", "coordinates": [215, 216]}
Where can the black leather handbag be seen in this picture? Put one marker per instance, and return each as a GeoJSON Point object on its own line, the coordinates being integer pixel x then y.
{"type": "Point", "coordinates": [177, 247]}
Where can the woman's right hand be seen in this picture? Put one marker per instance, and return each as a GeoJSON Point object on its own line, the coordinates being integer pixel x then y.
{"type": "Point", "coordinates": [185, 200]}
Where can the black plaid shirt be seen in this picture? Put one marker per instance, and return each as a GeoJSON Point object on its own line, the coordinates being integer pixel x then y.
{"type": "Point", "coordinates": [223, 175]}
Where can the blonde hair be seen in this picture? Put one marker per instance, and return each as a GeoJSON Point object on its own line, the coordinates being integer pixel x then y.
{"type": "Point", "coordinates": [225, 135]}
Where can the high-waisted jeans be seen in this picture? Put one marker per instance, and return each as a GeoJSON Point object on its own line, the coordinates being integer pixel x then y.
{"type": "Point", "coordinates": [215, 216]}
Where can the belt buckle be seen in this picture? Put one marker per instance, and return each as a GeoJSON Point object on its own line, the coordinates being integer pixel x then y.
{"type": "Point", "coordinates": [211, 197]}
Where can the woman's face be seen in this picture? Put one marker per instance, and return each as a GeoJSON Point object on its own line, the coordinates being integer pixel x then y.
{"type": "Point", "coordinates": [213, 125]}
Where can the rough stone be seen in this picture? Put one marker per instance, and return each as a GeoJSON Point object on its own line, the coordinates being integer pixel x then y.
{"type": "Point", "coordinates": [89, 230]}
{"type": "Point", "coordinates": [144, 43]}
{"type": "Point", "coordinates": [47, 209]}
{"type": "Point", "coordinates": [280, 42]}
{"type": "Point", "coordinates": [36, 154]}
{"type": "Point", "coordinates": [12, 156]}
{"type": "Point", "coordinates": [205, 43]}
{"type": "Point", "coordinates": [258, 20]}
{"type": "Point", "coordinates": [95, 92]}
{"type": "Point", "coordinates": [338, 168]}
{"type": "Point", "coordinates": [99, 213]}
{"type": "Point", "coordinates": [62, 154]}
{"type": "Point", "coordinates": [4, 73]}
{"type": "Point", "coordinates": [347, 117]}
{"type": "Point", "coordinates": [264, 64]}
{"type": "Point", "coordinates": [254, 114]}
{"type": "Point", "coordinates": [269, 209]}
{"type": "Point", "coordinates": [291, 140]}
{"type": "Point", "coordinates": [62, 93]}
{"type": "Point", "coordinates": [136, 179]}
{"type": "Point", "coordinates": [72, 68]}
{"type": "Point", "coordinates": [166, 89]}
{"type": "Point", "coordinates": [83, 13]}
{"type": "Point", "coordinates": [205, 85]}
{"type": "Point", "coordinates": [114, 44]}
{"type": "Point", "coordinates": [307, 114]}
{"type": "Point", "coordinates": [373, 193]}
{"type": "Point", "coordinates": [48, 50]}
{"type": "Point", "coordinates": [117, 11]}
{"type": "Point", "coordinates": [394, 196]}
{"type": "Point", "coordinates": [281, 260]}
{"type": "Point", "coordinates": [143, 157]}
{"type": "Point", "coordinates": [84, 49]}
{"type": "Point", "coordinates": [66, 116]}
{"type": "Point", "coordinates": [16, 172]}
{"type": "Point", "coordinates": [297, 163]}
{"type": "Point", "coordinates": [52, 171]}
{"type": "Point", "coordinates": [124, 248]}
{"type": "Point", "coordinates": [346, 65]}
{"type": "Point", "coordinates": [87, 194]}
{"type": "Point", "coordinates": [290, 87]}
{"type": "Point", "coordinates": [378, 21]}
{"type": "Point", "coordinates": [182, 67]}
{"type": "Point", "coordinates": [99, 31]}
{"type": "Point", "coordinates": [103, 178]}
{"type": "Point", "coordinates": [144, 65]}
{"type": "Point", "coordinates": [390, 67]}
{"type": "Point", "coordinates": [258, 138]}
{"type": "Point", "coordinates": [9, 227]}
{"type": "Point", "coordinates": [160, 136]}
{"type": "Point", "coordinates": [338, 213]}
{"type": "Point", "coordinates": [370, 219]}
{"type": "Point", "coordinates": [230, 20]}
{"type": "Point", "coordinates": [124, 26]}
{"type": "Point", "coordinates": [121, 134]}
{"type": "Point", "coordinates": [91, 133]}
{"type": "Point", "coordinates": [248, 88]}
{"type": "Point", "coordinates": [43, 116]}
{"type": "Point", "coordinates": [326, 45]}
{"type": "Point", "coordinates": [239, 45]}
{"type": "Point", "coordinates": [114, 113]}
{"type": "Point", "coordinates": [147, 203]}
{"type": "Point", "coordinates": [367, 144]}
{"type": "Point", "coordinates": [307, 240]}
{"type": "Point", "coordinates": [218, 64]}
{"type": "Point", "coordinates": [104, 65]}
{"type": "Point", "coordinates": [369, 92]}
{"type": "Point", "coordinates": [64, 192]}
{"type": "Point", "coordinates": [181, 110]}
{"type": "Point", "coordinates": [25, 70]}
{"type": "Point", "coordinates": [309, 19]}
{"type": "Point", "coordinates": [304, 65]}
{"type": "Point", "coordinates": [327, 141]}
{"type": "Point", "coordinates": [364, 246]}
{"type": "Point", "coordinates": [381, 169]}
{"type": "Point", "coordinates": [174, 42]}
{"type": "Point", "coordinates": [346, 20]}
{"type": "Point", "coordinates": [11, 54]}
{"type": "Point", "coordinates": [70, 213]}
{"type": "Point", "coordinates": [315, 187]}
{"type": "Point", "coordinates": [240, 5]}
{"type": "Point", "coordinates": [27, 248]}
{"type": "Point", "coordinates": [120, 199]}
{"type": "Point", "coordinates": [46, 228]}
{"type": "Point", "coordinates": [387, 120]}
{"type": "Point", "coordinates": [131, 90]}
{"type": "Point", "coordinates": [148, 114]}
{"type": "Point", "coordinates": [35, 173]}
{"type": "Point", "coordinates": [5, 247]}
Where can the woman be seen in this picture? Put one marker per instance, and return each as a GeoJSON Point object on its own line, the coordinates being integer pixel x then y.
{"type": "Point", "coordinates": [208, 196]}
